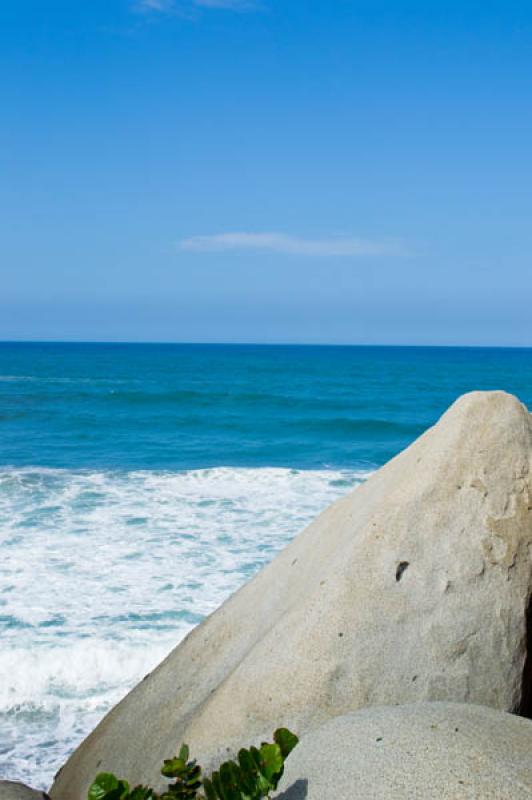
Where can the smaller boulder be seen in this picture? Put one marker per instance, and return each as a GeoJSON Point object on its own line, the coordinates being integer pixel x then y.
{"type": "Point", "coordinates": [10, 790]}
{"type": "Point", "coordinates": [428, 751]}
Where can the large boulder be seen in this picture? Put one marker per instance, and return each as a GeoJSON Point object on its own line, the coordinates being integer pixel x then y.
{"type": "Point", "coordinates": [413, 587]}
{"type": "Point", "coordinates": [10, 790]}
{"type": "Point", "coordinates": [428, 751]}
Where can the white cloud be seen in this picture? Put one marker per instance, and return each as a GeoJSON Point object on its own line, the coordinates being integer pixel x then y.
{"type": "Point", "coordinates": [291, 245]}
{"type": "Point", "coordinates": [155, 5]}
{"type": "Point", "coordinates": [235, 5]}
{"type": "Point", "coordinates": [171, 6]}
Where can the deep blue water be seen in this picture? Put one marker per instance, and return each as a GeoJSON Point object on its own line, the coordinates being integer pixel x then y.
{"type": "Point", "coordinates": [149, 406]}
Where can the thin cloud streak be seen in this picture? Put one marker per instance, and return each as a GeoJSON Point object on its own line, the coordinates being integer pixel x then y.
{"type": "Point", "coordinates": [177, 6]}
{"type": "Point", "coordinates": [233, 5]}
{"type": "Point", "coordinates": [162, 6]}
{"type": "Point", "coordinates": [291, 245]}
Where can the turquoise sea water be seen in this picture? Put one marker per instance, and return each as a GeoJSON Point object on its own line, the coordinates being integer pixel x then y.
{"type": "Point", "coordinates": [141, 484]}
{"type": "Point", "coordinates": [193, 406]}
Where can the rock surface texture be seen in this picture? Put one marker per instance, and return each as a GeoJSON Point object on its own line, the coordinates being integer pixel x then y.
{"type": "Point", "coordinates": [413, 587]}
{"type": "Point", "coordinates": [9, 790]}
{"type": "Point", "coordinates": [429, 751]}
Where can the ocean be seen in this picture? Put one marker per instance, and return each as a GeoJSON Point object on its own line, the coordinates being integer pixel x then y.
{"type": "Point", "coordinates": [141, 484]}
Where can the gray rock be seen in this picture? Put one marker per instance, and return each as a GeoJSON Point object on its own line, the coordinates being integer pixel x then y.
{"type": "Point", "coordinates": [9, 790]}
{"type": "Point", "coordinates": [413, 587]}
{"type": "Point", "coordinates": [428, 751]}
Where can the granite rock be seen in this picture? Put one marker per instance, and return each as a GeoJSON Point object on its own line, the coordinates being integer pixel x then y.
{"type": "Point", "coordinates": [426, 751]}
{"type": "Point", "coordinates": [10, 790]}
{"type": "Point", "coordinates": [413, 587]}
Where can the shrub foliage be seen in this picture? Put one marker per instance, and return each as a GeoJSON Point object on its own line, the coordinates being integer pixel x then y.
{"type": "Point", "coordinates": [254, 775]}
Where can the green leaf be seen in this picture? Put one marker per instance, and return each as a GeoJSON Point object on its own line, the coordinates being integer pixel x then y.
{"type": "Point", "coordinates": [210, 791]}
{"type": "Point", "coordinates": [277, 777]}
{"type": "Point", "coordinates": [142, 793]}
{"type": "Point", "coordinates": [255, 754]}
{"type": "Point", "coordinates": [103, 783]}
{"type": "Point", "coordinates": [107, 787]}
{"type": "Point", "coordinates": [286, 741]}
{"type": "Point", "coordinates": [271, 760]}
{"type": "Point", "coordinates": [173, 767]}
{"type": "Point", "coordinates": [193, 776]}
{"type": "Point", "coordinates": [263, 787]}
{"type": "Point", "coordinates": [246, 761]}
{"type": "Point", "coordinates": [248, 772]}
{"type": "Point", "coordinates": [215, 778]}
{"type": "Point", "coordinates": [227, 780]}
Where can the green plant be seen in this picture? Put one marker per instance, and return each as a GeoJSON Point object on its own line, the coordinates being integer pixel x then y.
{"type": "Point", "coordinates": [253, 776]}
{"type": "Point", "coordinates": [187, 776]}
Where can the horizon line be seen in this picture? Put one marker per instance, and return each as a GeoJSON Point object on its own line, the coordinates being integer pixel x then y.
{"type": "Point", "coordinates": [170, 343]}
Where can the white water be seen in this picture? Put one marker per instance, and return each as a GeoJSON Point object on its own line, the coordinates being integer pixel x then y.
{"type": "Point", "coordinates": [102, 573]}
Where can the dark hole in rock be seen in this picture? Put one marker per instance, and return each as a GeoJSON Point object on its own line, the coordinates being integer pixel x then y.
{"type": "Point", "coordinates": [525, 707]}
{"type": "Point", "coordinates": [401, 567]}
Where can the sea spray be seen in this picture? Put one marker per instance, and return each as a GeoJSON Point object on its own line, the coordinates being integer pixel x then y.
{"type": "Point", "coordinates": [103, 572]}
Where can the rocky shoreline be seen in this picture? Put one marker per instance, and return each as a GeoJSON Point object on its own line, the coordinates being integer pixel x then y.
{"type": "Point", "coordinates": [391, 635]}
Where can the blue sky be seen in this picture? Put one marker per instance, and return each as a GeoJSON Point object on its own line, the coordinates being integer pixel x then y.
{"type": "Point", "coordinates": [273, 171]}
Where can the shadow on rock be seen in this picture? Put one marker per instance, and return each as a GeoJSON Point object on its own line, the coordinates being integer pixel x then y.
{"type": "Point", "coordinates": [298, 791]}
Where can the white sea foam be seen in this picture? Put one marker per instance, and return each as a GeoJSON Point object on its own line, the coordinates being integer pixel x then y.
{"type": "Point", "coordinates": [102, 573]}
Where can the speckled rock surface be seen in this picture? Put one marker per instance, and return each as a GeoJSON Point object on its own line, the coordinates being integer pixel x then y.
{"type": "Point", "coordinates": [413, 587]}
{"type": "Point", "coordinates": [9, 790]}
{"type": "Point", "coordinates": [429, 751]}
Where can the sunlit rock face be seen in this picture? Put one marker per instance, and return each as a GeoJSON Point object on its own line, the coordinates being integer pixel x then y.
{"type": "Point", "coordinates": [434, 751]}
